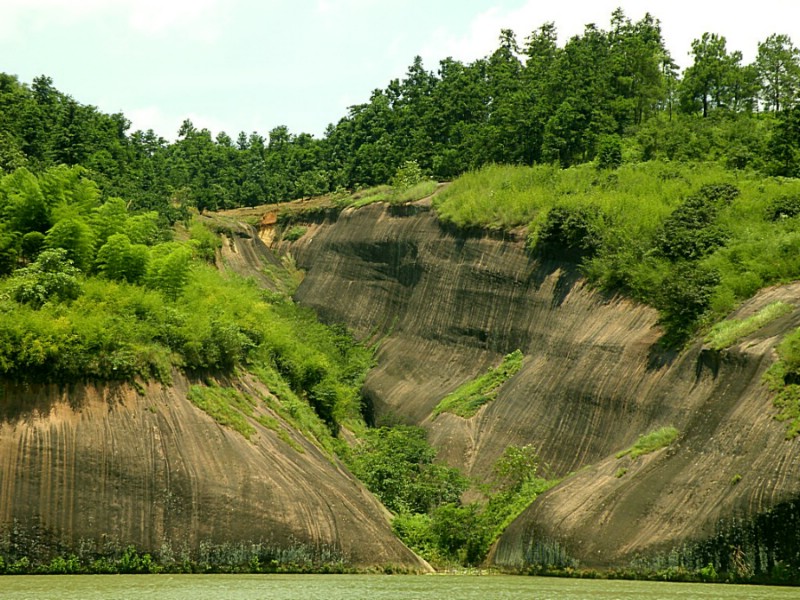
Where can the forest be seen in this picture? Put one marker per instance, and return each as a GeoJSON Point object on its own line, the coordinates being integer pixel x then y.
{"type": "Point", "coordinates": [609, 95]}
{"type": "Point", "coordinates": [676, 188]}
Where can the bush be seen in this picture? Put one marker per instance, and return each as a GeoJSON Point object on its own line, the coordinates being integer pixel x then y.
{"type": "Point", "coordinates": [52, 277]}
{"type": "Point", "coordinates": [408, 175]}
{"type": "Point", "coordinates": [655, 440]}
{"type": "Point", "coordinates": [609, 152]}
{"type": "Point", "coordinates": [783, 207]}
{"type": "Point", "coordinates": [571, 232]}
{"type": "Point", "coordinates": [690, 232]}
{"type": "Point", "coordinates": [685, 296]}
{"type": "Point", "coordinates": [469, 397]}
{"type": "Point", "coordinates": [396, 464]}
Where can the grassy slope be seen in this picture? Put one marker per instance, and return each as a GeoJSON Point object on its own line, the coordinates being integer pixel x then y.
{"type": "Point", "coordinates": [634, 202]}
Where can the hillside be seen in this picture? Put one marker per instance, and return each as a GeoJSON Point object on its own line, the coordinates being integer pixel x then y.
{"type": "Point", "coordinates": [446, 304]}
{"type": "Point", "coordinates": [543, 307]}
{"type": "Point", "coordinates": [90, 470]}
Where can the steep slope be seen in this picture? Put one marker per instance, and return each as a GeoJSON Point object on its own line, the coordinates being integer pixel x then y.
{"type": "Point", "coordinates": [446, 305]}
{"type": "Point", "coordinates": [92, 468]}
{"type": "Point", "coordinates": [104, 467]}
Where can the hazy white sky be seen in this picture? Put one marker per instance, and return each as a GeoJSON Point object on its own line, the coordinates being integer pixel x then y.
{"type": "Point", "coordinates": [250, 65]}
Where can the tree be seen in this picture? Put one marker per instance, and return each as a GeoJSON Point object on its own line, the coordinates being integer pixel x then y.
{"type": "Point", "coordinates": [637, 53]}
{"type": "Point", "coordinates": [168, 269]}
{"type": "Point", "coordinates": [52, 277]}
{"type": "Point", "coordinates": [516, 466]}
{"type": "Point", "coordinates": [76, 238]}
{"type": "Point", "coordinates": [709, 82]}
{"type": "Point", "coordinates": [396, 464]}
{"type": "Point", "coordinates": [783, 149]}
{"type": "Point", "coordinates": [22, 203]}
{"type": "Point", "coordinates": [778, 65]}
{"type": "Point", "coordinates": [120, 260]}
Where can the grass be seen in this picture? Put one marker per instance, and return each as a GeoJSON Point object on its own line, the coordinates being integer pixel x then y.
{"type": "Point", "coordinates": [275, 425]}
{"type": "Point", "coordinates": [421, 190]}
{"type": "Point", "coordinates": [467, 399]}
{"type": "Point", "coordinates": [727, 333]}
{"type": "Point", "coordinates": [655, 440]}
{"type": "Point", "coordinates": [227, 406]}
{"type": "Point", "coordinates": [381, 193]}
{"type": "Point", "coordinates": [758, 244]}
{"type": "Point", "coordinates": [294, 233]}
{"type": "Point", "coordinates": [505, 197]}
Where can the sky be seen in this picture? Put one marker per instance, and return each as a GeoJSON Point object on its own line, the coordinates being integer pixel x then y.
{"type": "Point", "coordinates": [252, 65]}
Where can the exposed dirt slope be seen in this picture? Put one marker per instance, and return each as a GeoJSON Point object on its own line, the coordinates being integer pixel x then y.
{"type": "Point", "coordinates": [447, 305]}
{"type": "Point", "coordinates": [105, 464]}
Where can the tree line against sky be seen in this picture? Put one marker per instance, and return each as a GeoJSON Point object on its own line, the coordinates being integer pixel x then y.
{"type": "Point", "coordinates": [612, 92]}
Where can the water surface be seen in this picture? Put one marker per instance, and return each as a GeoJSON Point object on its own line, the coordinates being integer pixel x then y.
{"type": "Point", "coordinates": [356, 587]}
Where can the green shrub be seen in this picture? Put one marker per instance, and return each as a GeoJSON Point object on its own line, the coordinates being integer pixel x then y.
{"type": "Point", "coordinates": [655, 440]}
{"type": "Point", "coordinates": [684, 297]}
{"type": "Point", "coordinates": [726, 333]}
{"type": "Point", "coordinates": [51, 277]}
{"type": "Point", "coordinates": [468, 398]}
{"type": "Point", "coordinates": [295, 233]}
{"type": "Point", "coordinates": [396, 464]}
{"type": "Point", "coordinates": [783, 378]}
{"type": "Point", "coordinates": [408, 175]}
{"type": "Point", "coordinates": [691, 232]}
{"type": "Point", "coordinates": [204, 242]}
{"type": "Point", "coordinates": [609, 152]}
{"type": "Point", "coordinates": [571, 232]}
{"type": "Point", "coordinates": [783, 207]}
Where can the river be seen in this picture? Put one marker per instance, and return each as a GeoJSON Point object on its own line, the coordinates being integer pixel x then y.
{"type": "Point", "coordinates": [355, 587]}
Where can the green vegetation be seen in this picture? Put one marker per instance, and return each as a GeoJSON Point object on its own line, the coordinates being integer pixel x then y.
{"type": "Point", "coordinates": [112, 297]}
{"type": "Point", "coordinates": [655, 440]}
{"type": "Point", "coordinates": [783, 378]}
{"type": "Point", "coordinates": [608, 96]}
{"type": "Point", "coordinates": [693, 240]}
{"type": "Point", "coordinates": [295, 233]}
{"type": "Point", "coordinates": [397, 465]}
{"type": "Point", "coordinates": [468, 398]}
{"type": "Point", "coordinates": [728, 332]}
{"type": "Point", "coordinates": [656, 181]}
{"type": "Point", "coordinates": [678, 190]}
{"type": "Point", "coordinates": [228, 406]}
{"type": "Point", "coordinates": [108, 556]}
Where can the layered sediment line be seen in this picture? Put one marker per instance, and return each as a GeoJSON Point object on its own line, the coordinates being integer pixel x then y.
{"type": "Point", "coordinates": [105, 464]}
{"type": "Point", "coordinates": [445, 305]}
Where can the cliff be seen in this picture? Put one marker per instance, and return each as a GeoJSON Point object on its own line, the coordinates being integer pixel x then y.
{"type": "Point", "coordinates": [109, 466]}
{"type": "Point", "coordinates": [93, 468]}
{"type": "Point", "coordinates": [445, 305]}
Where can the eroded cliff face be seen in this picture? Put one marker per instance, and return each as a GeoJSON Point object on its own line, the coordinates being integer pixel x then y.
{"type": "Point", "coordinates": [107, 465]}
{"type": "Point", "coordinates": [444, 306]}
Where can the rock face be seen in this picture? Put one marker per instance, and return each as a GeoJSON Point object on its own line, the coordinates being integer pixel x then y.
{"type": "Point", "coordinates": [108, 465]}
{"type": "Point", "coordinates": [446, 305]}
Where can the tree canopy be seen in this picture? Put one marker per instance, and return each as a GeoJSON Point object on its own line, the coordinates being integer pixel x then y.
{"type": "Point", "coordinates": [529, 101]}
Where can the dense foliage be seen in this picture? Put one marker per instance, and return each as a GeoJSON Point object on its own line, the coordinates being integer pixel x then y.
{"type": "Point", "coordinates": [396, 463]}
{"type": "Point", "coordinates": [101, 293]}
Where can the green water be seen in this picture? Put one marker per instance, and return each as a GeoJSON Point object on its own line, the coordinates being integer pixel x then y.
{"type": "Point", "coordinates": [354, 587]}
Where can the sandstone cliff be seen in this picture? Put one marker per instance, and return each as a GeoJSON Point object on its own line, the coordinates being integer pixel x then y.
{"type": "Point", "coordinates": [445, 305]}
{"type": "Point", "coordinates": [100, 467]}
{"type": "Point", "coordinates": [109, 466]}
